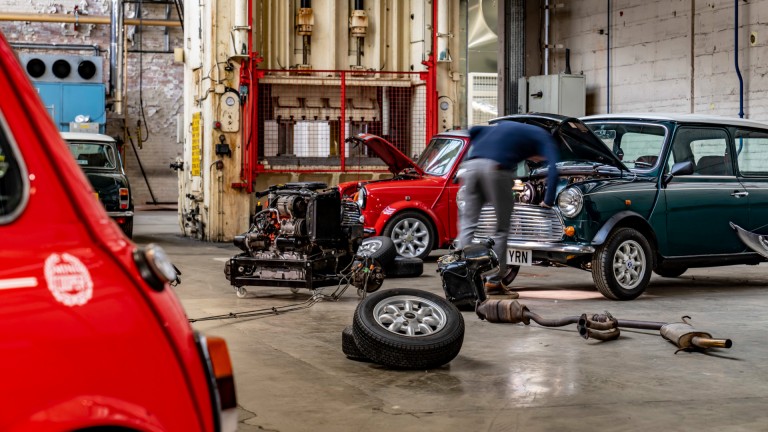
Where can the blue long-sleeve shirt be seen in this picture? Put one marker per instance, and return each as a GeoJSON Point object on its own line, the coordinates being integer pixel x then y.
{"type": "Point", "coordinates": [510, 143]}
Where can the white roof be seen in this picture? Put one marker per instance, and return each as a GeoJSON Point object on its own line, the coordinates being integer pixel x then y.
{"type": "Point", "coordinates": [84, 136]}
{"type": "Point", "coordinates": [682, 118]}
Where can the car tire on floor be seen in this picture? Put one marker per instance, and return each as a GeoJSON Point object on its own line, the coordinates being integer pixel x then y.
{"type": "Point", "coordinates": [404, 267]}
{"type": "Point", "coordinates": [407, 328]}
{"type": "Point", "coordinates": [349, 346]}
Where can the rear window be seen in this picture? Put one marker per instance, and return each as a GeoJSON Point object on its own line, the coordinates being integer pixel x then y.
{"type": "Point", "coordinates": [12, 179]}
{"type": "Point", "coordinates": [93, 155]}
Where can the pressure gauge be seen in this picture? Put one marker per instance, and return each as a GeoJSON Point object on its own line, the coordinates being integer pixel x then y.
{"type": "Point", "coordinates": [229, 100]}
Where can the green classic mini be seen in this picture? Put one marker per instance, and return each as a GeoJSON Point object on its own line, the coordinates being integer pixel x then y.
{"type": "Point", "coordinates": [640, 194]}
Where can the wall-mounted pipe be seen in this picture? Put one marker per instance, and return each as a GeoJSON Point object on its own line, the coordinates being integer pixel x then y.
{"type": "Point", "coordinates": [116, 48]}
{"type": "Point", "coordinates": [546, 37]}
{"type": "Point", "coordinates": [736, 56]}
{"type": "Point", "coordinates": [608, 61]}
{"type": "Point", "coordinates": [52, 46]}
{"type": "Point", "coordinates": [442, 31]}
{"type": "Point", "coordinates": [84, 19]}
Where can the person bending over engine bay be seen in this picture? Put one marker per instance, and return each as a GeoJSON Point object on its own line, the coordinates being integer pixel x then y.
{"type": "Point", "coordinates": [487, 176]}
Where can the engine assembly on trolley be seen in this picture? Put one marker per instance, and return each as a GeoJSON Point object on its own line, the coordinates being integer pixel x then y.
{"type": "Point", "coordinates": [305, 237]}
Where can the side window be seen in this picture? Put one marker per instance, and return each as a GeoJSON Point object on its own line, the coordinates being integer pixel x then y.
{"type": "Point", "coordinates": [706, 148]}
{"type": "Point", "coordinates": [752, 151]}
{"type": "Point", "coordinates": [12, 184]}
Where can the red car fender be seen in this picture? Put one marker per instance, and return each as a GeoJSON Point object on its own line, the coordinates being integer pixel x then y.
{"type": "Point", "coordinates": [85, 411]}
{"type": "Point", "coordinates": [397, 207]}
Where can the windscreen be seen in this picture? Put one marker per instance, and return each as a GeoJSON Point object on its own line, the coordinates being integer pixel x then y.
{"type": "Point", "coordinates": [439, 156]}
{"type": "Point", "coordinates": [637, 145]}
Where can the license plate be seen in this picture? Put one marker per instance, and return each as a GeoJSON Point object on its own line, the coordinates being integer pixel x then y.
{"type": "Point", "coordinates": [520, 257]}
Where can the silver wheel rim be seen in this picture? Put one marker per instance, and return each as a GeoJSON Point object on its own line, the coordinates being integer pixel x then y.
{"type": "Point", "coordinates": [411, 237]}
{"type": "Point", "coordinates": [409, 316]}
{"type": "Point", "coordinates": [368, 247]}
{"type": "Point", "coordinates": [629, 264]}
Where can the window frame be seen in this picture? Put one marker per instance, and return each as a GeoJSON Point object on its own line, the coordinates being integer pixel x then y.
{"type": "Point", "coordinates": [23, 173]}
{"type": "Point", "coordinates": [735, 159]}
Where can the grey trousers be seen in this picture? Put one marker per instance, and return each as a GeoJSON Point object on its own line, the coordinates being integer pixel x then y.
{"type": "Point", "coordinates": [482, 181]}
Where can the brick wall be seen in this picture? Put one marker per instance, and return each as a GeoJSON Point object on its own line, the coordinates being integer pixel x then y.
{"type": "Point", "coordinates": [666, 55]}
{"type": "Point", "coordinates": [161, 81]}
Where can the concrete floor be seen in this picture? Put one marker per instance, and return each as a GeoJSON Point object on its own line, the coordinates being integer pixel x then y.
{"type": "Point", "coordinates": [291, 375]}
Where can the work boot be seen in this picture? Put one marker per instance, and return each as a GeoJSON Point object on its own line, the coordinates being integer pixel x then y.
{"type": "Point", "coordinates": [494, 287]}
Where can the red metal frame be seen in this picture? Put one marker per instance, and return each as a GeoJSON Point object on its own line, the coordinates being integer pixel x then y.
{"type": "Point", "coordinates": [249, 76]}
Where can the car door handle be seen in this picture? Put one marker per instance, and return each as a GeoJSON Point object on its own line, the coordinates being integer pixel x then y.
{"type": "Point", "coordinates": [739, 194]}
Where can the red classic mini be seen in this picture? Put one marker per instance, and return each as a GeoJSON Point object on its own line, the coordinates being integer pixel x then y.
{"type": "Point", "coordinates": [93, 337]}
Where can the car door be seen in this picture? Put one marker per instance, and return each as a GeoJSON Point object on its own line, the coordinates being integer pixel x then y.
{"type": "Point", "coordinates": [752, 168]}
{"type": "Point", "coordinates": [701, 206]}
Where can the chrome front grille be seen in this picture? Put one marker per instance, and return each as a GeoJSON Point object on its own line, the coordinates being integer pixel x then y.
{"type": "Point", "coordinates": [528, 222]}
{"type": "Point", "coordinates": [350, 213]}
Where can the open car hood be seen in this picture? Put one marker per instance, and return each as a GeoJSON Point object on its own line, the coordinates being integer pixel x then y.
{"type": "Point", "coordinates": [394, 158]}
{"type": "Point", "coordinates": [575, 140]}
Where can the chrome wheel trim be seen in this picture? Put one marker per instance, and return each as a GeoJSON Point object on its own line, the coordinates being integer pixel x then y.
{"type": "Point", "coordinates": [629, 264]}
{"type": "Point", "coordinates": [369, 246]}
{"type": "Point", "coordinates": [409, 316]}
{"type": "Point", "coordinates": [411, 237]}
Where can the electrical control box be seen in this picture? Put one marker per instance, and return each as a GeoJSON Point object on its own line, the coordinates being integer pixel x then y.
{"type": "Point", "coordinates": [229, 112]}
{"type": "Point", "coordinates": [562, 94]}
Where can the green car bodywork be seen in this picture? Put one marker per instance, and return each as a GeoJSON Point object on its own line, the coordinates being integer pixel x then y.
{"type": "Point", "coordinates": [666, 203]}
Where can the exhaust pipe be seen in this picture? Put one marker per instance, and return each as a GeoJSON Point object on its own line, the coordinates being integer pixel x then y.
{"type": "Point", "coordinates": [602, 327]}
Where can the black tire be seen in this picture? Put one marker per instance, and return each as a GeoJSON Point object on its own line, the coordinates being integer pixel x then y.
{"type": "Point", "coordinates": [510, 276]}
{"type": "Point", "coordinates": [439, 330]}
{"type": "Point", "coordinates": [610, 279]}
{"type": "Point", "coordinates": [671, 272]}
{"type": "Point", "coordinates": [127, 228]}
{"type": "Point", "coordinates": [228, 270]}
{"type": "Point", "coordinates": [379, 248]}
{"type": "Point", "coordinates": [349, 346]}
{"type": "Point", "coordinates": [404, 267]}
{"type": "Point", "coordinates": [414, 244]}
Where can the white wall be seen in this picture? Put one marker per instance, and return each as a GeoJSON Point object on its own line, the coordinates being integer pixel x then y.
{"type": "Point", "coordinates": [666, 55]}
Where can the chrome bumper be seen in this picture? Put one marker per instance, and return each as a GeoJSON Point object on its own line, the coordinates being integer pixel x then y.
{"type": "Point", "coordinates": [551, 247]}
{"type": "Point", "coordinates": [120, 214]}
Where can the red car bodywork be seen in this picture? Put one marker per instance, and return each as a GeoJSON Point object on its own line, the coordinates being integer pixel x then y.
{"type": "Point", "coordinates": [430, 195]}
{"type": "Point", "coordinates": [119, 354]}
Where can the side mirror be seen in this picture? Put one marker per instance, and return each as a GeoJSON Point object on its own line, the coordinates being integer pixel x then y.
{"type": "Point", "coordinates": [678, 169]}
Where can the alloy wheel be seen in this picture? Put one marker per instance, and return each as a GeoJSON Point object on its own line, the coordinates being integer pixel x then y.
{"type": "Point", "coordinates": [410, 315]}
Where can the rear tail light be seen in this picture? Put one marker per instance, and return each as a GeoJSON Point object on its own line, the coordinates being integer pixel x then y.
{"type": "Point", "coordinates": [222, 372]}
{"type": "Point", "coordinates": [221, 381]}
{"type": "Point", "coordinates": [124, 198]}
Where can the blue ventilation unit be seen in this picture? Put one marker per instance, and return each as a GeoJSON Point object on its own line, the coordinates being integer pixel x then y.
{"type": "Point", "coordinates": [70, 86]}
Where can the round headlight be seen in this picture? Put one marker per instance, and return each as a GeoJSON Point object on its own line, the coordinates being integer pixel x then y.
{"type": "Point", "coordinates": [570, 201]}
{"type": "Point", "coordinates": [361, 195]}
{"type": "Point", "coordinates": [155, 266]}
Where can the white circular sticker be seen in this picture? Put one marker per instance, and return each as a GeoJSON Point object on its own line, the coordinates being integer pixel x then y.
{"type": "Point", "coordinates": [68, 280]}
